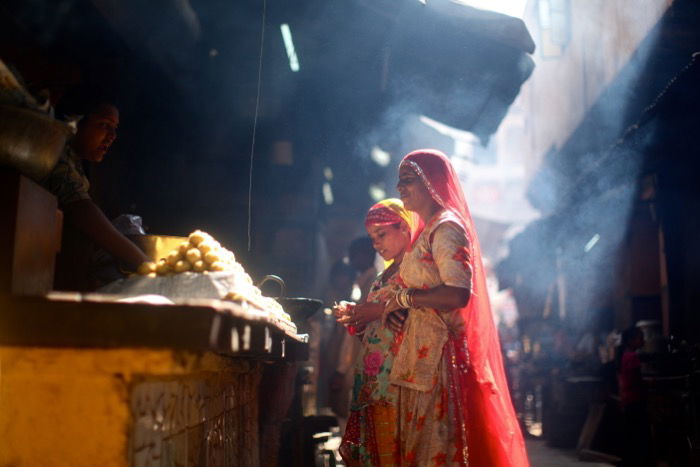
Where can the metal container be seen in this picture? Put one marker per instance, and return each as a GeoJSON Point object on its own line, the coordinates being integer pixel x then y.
{"type": "Point", "coordinates": [157, 246]}
{"type": "Point", "coordinates": [30, 141]}
{"type": "Point", "coordinates": [299, 308]}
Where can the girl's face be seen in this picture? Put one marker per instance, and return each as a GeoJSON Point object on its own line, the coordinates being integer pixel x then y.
{"type": "Point", "coordinates": [412, 191]}
{"type": "Point", "coordinates": [390, 241]}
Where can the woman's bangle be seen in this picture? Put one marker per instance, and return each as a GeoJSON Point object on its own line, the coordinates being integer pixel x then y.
{"type": "Point", "coordinates": [411, 296]}
{"type": "Point", "coordinates": [399, 298]}
{"type": "Point", "coordinates": [404, 298]}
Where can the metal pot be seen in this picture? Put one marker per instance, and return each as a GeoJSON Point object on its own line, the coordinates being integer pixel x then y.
{"type": "Point", "coordinates": [30, 141]}
{"type": "Point", "coordinates": [299, 308]}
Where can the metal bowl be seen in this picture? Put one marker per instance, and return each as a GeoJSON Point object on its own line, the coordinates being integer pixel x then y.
{"type": "Point", "coordinates": [157, 246]}
{"type": "Point", "coordinates": [300, 308]}
{"type": "Point", "coordinates": [30, 141]}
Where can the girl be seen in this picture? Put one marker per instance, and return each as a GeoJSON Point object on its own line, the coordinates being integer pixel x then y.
{"type": "Point", "coordinates": [371, 436]}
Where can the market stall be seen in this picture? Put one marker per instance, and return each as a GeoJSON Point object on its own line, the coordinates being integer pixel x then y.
{"type": "Point", "coordinates": [89, 381]}
{"type": "Point", "coordinates": [164, 370]}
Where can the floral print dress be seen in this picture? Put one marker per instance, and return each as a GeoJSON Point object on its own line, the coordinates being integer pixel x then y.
{"type": "Point", "coordinates": [431, 412]}
{"type": "Point", "coordinates": [371, 434]}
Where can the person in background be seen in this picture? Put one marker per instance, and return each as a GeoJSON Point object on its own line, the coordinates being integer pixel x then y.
{"type": "Point", "coordinates": [453, 402]}
{"type": "Point", "coordinates": [636, 435]}
{"type": "Point", "coordinates": [96, 130]}
{"type": "Point", "coordinates": [330, 334]}
{"type": "Point", "coordinates": [370, 437]}
{"type": "Point", "coordinates": [361, 256]}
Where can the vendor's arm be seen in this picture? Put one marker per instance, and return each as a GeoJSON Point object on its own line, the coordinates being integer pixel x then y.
{"type": "Point", "coordinates": [68, 183]}
{"type": "Point", "coordinates": [88, 218]}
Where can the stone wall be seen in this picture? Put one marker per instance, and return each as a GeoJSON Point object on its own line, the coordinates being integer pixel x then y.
{"type": "Point", "coordinates": [136, 407]}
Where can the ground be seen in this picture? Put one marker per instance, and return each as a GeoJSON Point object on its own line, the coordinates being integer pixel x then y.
{"type": "Point", "coordinates": [543, 456]}
{"type": "Point", "coordinates": [540, 455]}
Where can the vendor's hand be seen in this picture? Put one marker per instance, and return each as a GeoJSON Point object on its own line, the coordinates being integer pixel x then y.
{"type": "Point", "coordinates": [362, 315]}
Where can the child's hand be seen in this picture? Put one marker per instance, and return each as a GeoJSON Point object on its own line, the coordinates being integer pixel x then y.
{"type": "Point", "coordinates": [363, 314]}
{"type": "Point", "coordinates": [343, 309]}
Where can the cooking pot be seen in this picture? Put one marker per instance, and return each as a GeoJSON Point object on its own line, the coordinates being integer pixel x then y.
{"type": "Point", "coordinates": [299, 308]}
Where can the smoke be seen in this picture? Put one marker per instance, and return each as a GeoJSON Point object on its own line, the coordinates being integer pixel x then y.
{"type": "Point", "coordinates": [587, 189]}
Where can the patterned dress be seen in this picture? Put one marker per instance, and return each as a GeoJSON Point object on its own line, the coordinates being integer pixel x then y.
{"type": "Point", "coordinates": [67, 180]}
{"type": "Point", "coordinates": [371, 434]}
{"type": "Point", "coordinates": [431, 411]}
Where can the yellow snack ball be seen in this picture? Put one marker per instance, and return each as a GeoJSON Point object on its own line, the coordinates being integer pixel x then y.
{"type": "Point", "coordinates": [212, 257]}
{"type": "Point", "coordinates": [162, 268]}
{"type": "Point", "coordinates": [205, 247]}
{"type": "Point", "coordinates": [217, 266]}
{"type": "Point", "coordinates": [193, 255]}
{"type": "Point", "coordinates": [233, 296]}
{"type": "Point", "coordinates": [182, 266]}
{"type": "Point", "coordinates": [198, 237]}
{"type": "Point", "coordinates": [199, 266]}
{"type": "Point", "coordinates": [146, 268]}
{"type": "Point", "coordinates": [183, 248]}
{"type": "Point", "coordinates": [173, 257]}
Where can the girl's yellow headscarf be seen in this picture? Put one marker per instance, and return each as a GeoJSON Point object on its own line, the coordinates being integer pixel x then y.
{"type": "Point", "coordinates": [391, 211]}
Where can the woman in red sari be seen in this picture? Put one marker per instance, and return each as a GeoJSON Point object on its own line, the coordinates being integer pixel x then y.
{"type": "Point", "coordinates": [453, 403]}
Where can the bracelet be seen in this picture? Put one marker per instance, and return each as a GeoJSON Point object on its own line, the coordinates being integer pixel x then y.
{"type": "Point", "coordinates": [404, 298]}
{"type": "Point", "coordinates": [399, 297]}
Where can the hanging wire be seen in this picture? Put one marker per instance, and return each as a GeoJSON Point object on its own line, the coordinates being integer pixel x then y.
{"type": "Point", "coordinates": [255, 126]}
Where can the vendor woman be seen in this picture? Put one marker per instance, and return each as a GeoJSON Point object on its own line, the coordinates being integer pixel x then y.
{"type": "Point", "coordinates": [96, 131]}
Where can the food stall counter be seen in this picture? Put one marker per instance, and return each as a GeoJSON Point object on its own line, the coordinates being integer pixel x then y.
{"type": "Point", "coordinates": [87, 380]}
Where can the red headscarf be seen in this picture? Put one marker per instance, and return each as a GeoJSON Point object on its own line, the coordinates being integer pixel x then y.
{"type": "Point", "coordinates": [391, 211]}
{"type": "Point", "coordinates": [493, 434]}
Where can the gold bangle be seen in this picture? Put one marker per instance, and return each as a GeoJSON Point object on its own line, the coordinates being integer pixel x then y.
{"type": "Point", "coordinates": [401, 298]}
{"type": "Point", "coordinates": [411, 295]}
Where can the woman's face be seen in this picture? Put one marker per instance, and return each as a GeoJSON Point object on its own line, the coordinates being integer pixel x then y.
{"type": "Point", "coordinates": [412, 191]}
{"type": "Point", "coordinates": [390, 241]}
